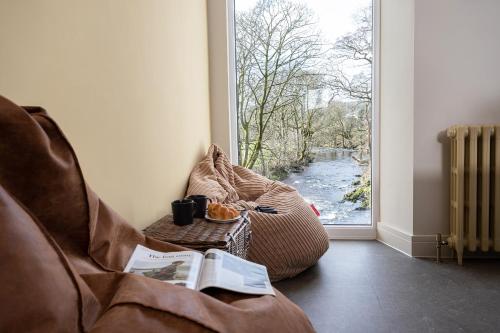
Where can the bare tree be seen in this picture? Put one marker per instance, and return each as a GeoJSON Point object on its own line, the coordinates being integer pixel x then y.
{"type": "Point", "coordinates": [351, 64]}
{"type": "Point", "coordinates": [277, 43]}
{"type": "Point", "coordinates": [280, 60]}
{"type": "Point", "coordinates": [357, 45]}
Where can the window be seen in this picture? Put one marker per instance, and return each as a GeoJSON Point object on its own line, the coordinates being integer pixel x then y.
{"type": "Point", "coordinates": [303, 102]}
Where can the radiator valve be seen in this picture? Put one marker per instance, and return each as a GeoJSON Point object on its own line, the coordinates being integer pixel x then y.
{"type": "Point", "coordinates": [439, 243]}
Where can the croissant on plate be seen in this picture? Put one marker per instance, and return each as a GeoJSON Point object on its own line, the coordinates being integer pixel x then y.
{"type": "Point", "coordinates": [222, 212]}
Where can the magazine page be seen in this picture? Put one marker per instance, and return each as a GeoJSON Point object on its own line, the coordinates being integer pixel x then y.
{"type": "Point", "coordinates": [179, 268]}
{"type": "Point", "coordinates": [224, 270]}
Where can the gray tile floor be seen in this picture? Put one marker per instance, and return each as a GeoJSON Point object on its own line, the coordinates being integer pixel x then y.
{"type": "Point", "coordinates": [365, 286]}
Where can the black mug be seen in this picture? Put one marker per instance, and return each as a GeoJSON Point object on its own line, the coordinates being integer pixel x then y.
{"type": "Point", "coordinates": [201, 204]}
{"type": "Point", "coordinates": [183, 211]}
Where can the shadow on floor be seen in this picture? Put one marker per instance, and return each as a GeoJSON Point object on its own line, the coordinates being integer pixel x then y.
{"type": "Point", "coordinates": [365, 286]}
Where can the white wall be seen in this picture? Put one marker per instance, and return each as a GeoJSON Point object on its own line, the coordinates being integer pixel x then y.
{"type": "Point", "coordinates": [126, 80]}
{"type": "Point", "coordinates": [222, 76]}
{"type": "Point", "coordinates": [457, 81]}
{"type": "Point", "coordinates": [396, 121]}
{"type": "Point", "coordinates": [438, 68]}
{"type": "Point", "coordinates": [219, 83]}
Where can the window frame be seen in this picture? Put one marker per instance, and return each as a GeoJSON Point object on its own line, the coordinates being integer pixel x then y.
{"type": "Point", "coordinates": [226, 8]}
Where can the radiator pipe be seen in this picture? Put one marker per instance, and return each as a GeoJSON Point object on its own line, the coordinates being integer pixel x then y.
{"type": "Point", "coordinates": [439, 243]}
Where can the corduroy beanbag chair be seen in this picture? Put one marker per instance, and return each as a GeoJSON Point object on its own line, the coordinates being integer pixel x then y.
{"type": "Point", "coordinates": [286, 243]}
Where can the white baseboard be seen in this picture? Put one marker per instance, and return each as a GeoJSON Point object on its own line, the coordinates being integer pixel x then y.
{"type": "Point", "coordinates": [350, 232]}
{"type": "Point", "coordinates": [394, 238]}
{"type": "Point", "coordinates": [419, 246]}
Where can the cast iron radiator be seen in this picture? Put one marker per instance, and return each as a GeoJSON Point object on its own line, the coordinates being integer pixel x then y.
{"type": "Point", "coordinates": [474, 189]}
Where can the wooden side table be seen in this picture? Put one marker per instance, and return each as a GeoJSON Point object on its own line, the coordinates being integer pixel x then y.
{"type": "Point", "coordinates": [203, 235]}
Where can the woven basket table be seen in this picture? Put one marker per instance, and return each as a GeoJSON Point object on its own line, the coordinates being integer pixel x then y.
{"type": "Point", "coordinates": [202, 235]}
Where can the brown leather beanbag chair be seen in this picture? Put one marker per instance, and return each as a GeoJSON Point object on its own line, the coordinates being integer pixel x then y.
{"type": "Point", "coordinates": [62, 252]}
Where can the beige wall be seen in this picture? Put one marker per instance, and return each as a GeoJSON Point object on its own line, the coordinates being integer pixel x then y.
{"type": "Point", "coordinates": [396, 114]}
{"type": "Point", "coordinates": [126, 80]}
{"type": "Point", "coordinates": [457, 81]}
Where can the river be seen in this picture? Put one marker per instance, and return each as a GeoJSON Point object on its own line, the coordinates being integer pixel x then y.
{"type": "Point", "coordinates": [324, 183]}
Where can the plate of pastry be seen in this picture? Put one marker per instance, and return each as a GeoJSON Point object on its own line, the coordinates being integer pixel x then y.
{"type": "Point", "coordinates": [220, 213]}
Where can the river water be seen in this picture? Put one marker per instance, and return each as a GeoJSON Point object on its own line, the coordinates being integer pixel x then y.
{"type": "Point", "coordinates": [324, 183]}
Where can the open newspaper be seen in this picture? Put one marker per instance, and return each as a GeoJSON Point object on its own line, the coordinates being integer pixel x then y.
{"type": "Point", "coordinates": [195, 270]}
